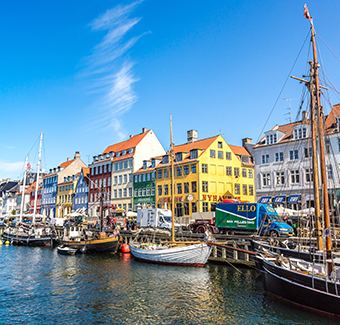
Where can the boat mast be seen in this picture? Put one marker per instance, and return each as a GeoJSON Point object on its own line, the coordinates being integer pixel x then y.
{"type": "Point", "coordinates": [172, 183]}
{"type": "Point", "coordinates": [23, 190]}
{"type": "Point", "coordinates": [320, 125]}
{"type": "Point", "coordinates": [37, 182]}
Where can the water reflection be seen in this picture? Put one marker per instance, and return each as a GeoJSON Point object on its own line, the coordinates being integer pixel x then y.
{"type": "Point", "coordinates": [40, 286]}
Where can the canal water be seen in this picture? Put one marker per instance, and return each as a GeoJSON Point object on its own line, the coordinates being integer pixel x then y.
{"type": "Point", "coordinates": [39, 286]}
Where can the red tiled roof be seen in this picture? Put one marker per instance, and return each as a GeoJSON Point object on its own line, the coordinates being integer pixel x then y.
{"type": "Point", "coordinates": [66, 163]}
{"type": "Point", "coordinates": [127, 144]}
{"type": "Point", "coordinates": [240, 151]}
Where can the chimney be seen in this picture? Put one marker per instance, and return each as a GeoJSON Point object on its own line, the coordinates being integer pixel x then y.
{"type": "Point", "coordinates": [77, 155]}
{"type": "Point", "coordinates": [191, 136]}
{"type": "Point", "coordinates": [131, 135]}
{"type": "Point", "coordinates": [68, 159]}
{"type": "Point", "coordinates": [304, 116]}
{"type": "Point", "coordinates": [143, 130]}
{"type": "Point", "coordinates": [246, 140]}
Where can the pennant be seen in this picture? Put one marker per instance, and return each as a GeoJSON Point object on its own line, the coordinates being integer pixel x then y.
{"type": "Point", "coordinates": [306, 13]}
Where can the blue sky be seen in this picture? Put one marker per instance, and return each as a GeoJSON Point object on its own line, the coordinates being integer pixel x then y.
{"type": "Point", "coordinates": [90, 73]}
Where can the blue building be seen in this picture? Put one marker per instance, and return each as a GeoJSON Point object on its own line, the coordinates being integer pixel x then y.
{"type": "Point", "coordinates": [81, 194]}
{"type": "Point", "coordinates": [49, 193]}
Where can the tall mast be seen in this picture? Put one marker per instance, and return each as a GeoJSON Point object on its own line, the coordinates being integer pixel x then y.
{"type": "Point", "coordinates": [320, 125]}
{"type": "Point", "coordinates": [37, 182]}
{"type": "Point", "coordinates": [23, 190]}
{"type": "Point", "coordinates": [172, 182]}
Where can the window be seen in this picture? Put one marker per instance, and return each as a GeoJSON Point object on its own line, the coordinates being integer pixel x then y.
{"type": "Point", "coordinates": [165, 159]}
{"type": "Point", "coordinates": [295, 176]}
{"type": "Point", "coordinates": [179, 156]}
{"type": "Point", "coordinates": [100, 169]}
{"type": "Point", "coordinates": [278, 156]}
{"type": "Point", "coordinates": [212, 154]}
{"type": "Point", "coordinates": [148, 176]}
{"type": "Point", "coordinates": [124, 192]}
{"type": "Point", "coordinates": [159, 189]}
{"type": "Point", "coordinates": [251, 190]}
{"type": "Point", "coordinates": [228, 155]}
{"type": "Point", "coordinates": [186, 209]}
{"type": "Point", "coordinates": [220, 154]}
{"type": "Point", "coordinates": [265, 159]}
{"type": "Point", "coordinates": [125, 164]}
{"type": "Point", "coordinates": [229, 171]}
{"type": "Point", "coordinates": [193, 207]}
{"type": "Point", "coordinates": [120, 179]}
{"type": "Point", "coordinates": [104, 182]}
{"type": "Point", "coordinates": [179, 210]}
{"type": "Point", "coordinates": [308, 152]}
{"type": "Point", "coordinates": [280, 178]}
{"type": "Point", "coordinates": [186, 187]}
{"type": "Point", "coordinates": [266, 179]}
{"type": "Point", "coordinates": [96, 170]}
{"type": "Point", "coordinates": [309, 175]}
{"type": "Point", "coordinates": [139, 192]}
{"type": "Point", "coordinates": [93, 172]}
{"type": "Point", "coordinates": [120, 193]}
{"type": "Point", "coordinates": [193, 154]}
{"type": "Point", "coordinates": [160, 172]}
{"type": "Point", "coordinates": [166, 189]}
{"type": "Point", "coordinates": [144, 191]}
{"type": "Point", "coordinates": [130, 191]}
{"type": "Point", "coordinates": [205, 168]}
{"type": "Point", "coordinates": [186, 170]}
{"type": "Point", "coordinates": [123, 152]}
{"type": "Point", "coordinates": [115, 180]}
{"type": "Point", "coordinates": [179, 188]}
{"type": "Point", "coordinates": [153, 191]}
{"type": "Point", "coordinates": [236, 172]}
{"type": "Point", "coordinates": [179, 171]}
{"type": "Point", "coordinates": [250, 173]}
{"type": "Point", "coordinates": [329, 172]}
{"type": "Point", "coordinates": [205, 186]}
{"type": "Point", "coordinates": [136, 192]}
{"type": "Point", "coordinates": [109, 168]}
{"type": "Point", "coordinates": [220, 144]}
{"type": "Point", "coordinates": [245, 189]}
{"type": "Point", "coordinates": [148, 191]}
{"type": "Point", "coordinates": [116, 166]}
{"type": "Point", "coordinates": [293, 154]}
{"type": "Point", "coordinates": [237, 189]}
{"type": "Point", "coordinates": [244, 172]}
{"type": "Point", "coordinates": [166, 173]}
{"type": "Point", "coordinates": [193, 187]}
{"type": "Point", "coordinates": [115, 193]}
{"type": "Point", "coordinates": [193, 169]}
{"type": "Point", "coordinates": [205, 206]}
{"type": "Point", "coordinates": [130, 162]}
{"type": "Point", "coordinates": [144, 177]}
{"type": "Point", "coordinates": [130, 177]}
{"type": "Point", "coordinates": [328, 146]}
{"type": "Point", "coordinates": [120, 165]}
{"type": "Point", "coordinates": [139, 178]}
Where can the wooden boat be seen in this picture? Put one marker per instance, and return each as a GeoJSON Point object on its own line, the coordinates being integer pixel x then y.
{"type": "Point", "coordinates": [172, 253]}
{"type": "Point", "coordinates": [177, 254]}
{"type": "Point", "coordinates": [312, 285]}
{"type": "Point", "coordinates": [65, 250]}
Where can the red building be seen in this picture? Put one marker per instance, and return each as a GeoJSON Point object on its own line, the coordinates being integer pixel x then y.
{"type": "Point", "coordinates": [32, 190]}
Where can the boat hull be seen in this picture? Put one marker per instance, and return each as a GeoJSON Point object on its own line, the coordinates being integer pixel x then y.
{"type": "Point", "coordinates": [40, 240]}
{"type": "Point", "coordinates": [103, 245]}
{"type": "Point", "coordinates": [190, 255]}
{"type": "Point", "coordinates": [316, 294]}
{"type": "Point", "coordinates": [66, 250]}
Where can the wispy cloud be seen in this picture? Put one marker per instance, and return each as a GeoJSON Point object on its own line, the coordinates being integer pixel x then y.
{"type": "Point", "coordinates": [11, 169]}
{"type": "Point", "coordinates": [110, 71]}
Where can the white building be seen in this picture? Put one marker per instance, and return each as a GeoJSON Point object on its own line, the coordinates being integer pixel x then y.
{"type": "Point", "coordinates": [283, 163]}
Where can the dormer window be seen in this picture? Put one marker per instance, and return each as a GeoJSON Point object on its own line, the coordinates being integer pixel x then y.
{"type": "Point", "coordinates": [271, 138]}
{"type": "Point", "coordinates": [112, 153]}
{"type": "Point", "coordinates": [123, 152]}
{"type": "Point", "coordinates": [118, 154]}
{"type": "Point", "coordinates": [179, 156]}
{"type": "Point", "coordinates": [130, 150]}
{"type": "Point", "coordinates": [245, 159]}
{"type": "Point", "coordinates": [193, 154]}
{"type": "Point", "coordinates": [300, 132]}
{"type": "Point", "coordinates": [153, 163]}
{"type": "Point", "coordinates": [337, 119]}
{"type": "Point", "coordinates": [165, 159]}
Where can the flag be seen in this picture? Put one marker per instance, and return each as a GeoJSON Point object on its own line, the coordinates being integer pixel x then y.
{"type": "Point", "coordinates": [28, 166]}
{"type": "Point", "coordinates": [306, 13]}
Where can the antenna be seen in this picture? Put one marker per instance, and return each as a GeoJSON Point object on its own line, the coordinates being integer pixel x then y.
{"type": "Point", "coordinates": [289, 118]}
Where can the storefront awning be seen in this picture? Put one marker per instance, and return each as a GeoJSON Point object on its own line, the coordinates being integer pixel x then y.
{"type": "Point", "coordinates": [294, 198]}
{"type": "Point", "coordinates": [279, 199]}
{"type": "Point", "coordinates": [265, 199]}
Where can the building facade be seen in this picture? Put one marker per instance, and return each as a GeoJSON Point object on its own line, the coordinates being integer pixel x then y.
{"type": "Point", "coordinates": [122, 160]}
{"type": "Point", "coordinates": [205, 172]}
{"type": "Point", "coordinates": [284, 171]}
{"type": "Point", "coordinates": [81, 194]}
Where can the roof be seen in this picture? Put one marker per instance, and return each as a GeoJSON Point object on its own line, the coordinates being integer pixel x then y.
{"type": "Point", "coordinates": [149, 169]}
{"type": "Point", "coordinates": [240, 151]}
{"type": "Point", "coordinates": [67, 163]}
{"type": "Point", "coordinates": [6, 186]}
{"type": "Point", "coordinates": [287, 129]}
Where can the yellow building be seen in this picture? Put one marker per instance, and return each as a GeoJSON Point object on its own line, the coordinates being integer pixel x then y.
{"type": "Point", "coordinates": [65, 193]}
{"type": "Point", "coordinates": [206, 172]}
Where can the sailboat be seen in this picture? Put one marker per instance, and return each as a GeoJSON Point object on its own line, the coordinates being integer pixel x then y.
{"type": "Point", "coordinates": [174, 252]}
{"type": "Point", "coordinates": [313, 285]}
{"type": "Point", "coordinates": [79, 237]}
{"type": "Point", "coordinates": [36, 233]}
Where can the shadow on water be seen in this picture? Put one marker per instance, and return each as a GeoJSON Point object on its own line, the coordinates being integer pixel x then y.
{"type": "Point", "coordinates": [37, 285]}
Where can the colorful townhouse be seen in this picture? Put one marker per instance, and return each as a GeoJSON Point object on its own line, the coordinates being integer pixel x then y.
{"type": "Point", "coordinates": [81, 194]}
{"type": "Point", "coordinates": [111, 172]}
{"type": "Point", "coordinates": [65, 193]}
{"type": "Point", "coordinates": [144, 184]}
{"type": "Point", "coordinates": [32, 191]}
{"type": "Point", "coordinates": [53, 178]}
{"type": "Point", "coordinates": [205, 172]}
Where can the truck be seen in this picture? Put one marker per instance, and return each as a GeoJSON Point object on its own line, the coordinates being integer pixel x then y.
{"type": "Point", "coordinates": [242, 218]}
{"type": "Point", "coordinates": [155, 218]}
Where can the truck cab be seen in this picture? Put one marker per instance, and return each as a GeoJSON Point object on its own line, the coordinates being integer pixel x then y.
{"type": "Point", "coordinates": [271, 224]}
